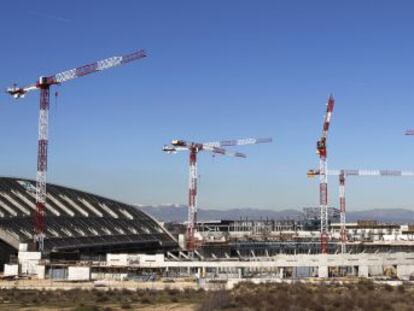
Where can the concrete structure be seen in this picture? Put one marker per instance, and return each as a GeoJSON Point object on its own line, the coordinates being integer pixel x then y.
{"type": "Point", "coordinates": [40, 272]}
{"type": "Point", "coordinates": [123, 266]}
{"type": "Point", "coordinates": [312, 217]}
{"type": "Point", "coordinates": [132, 259]}
{"type": "Point", "coordinates": [77, 222]}
{"type": "Point", "coordinates": [76, 273]}
{"type": "Point", "coordinates": [11, 270]}
{"type": "Point", "coordinates": [372, 231]}
{"type": "Point", "coordinates": [28, 262]}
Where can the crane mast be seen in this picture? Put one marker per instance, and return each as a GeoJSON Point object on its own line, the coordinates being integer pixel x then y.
{"type": "Point", "coordinates": [193, 149]}
{"type": "Point", "coordinates": [192, 198]}
{"type": "Point", "coordinates": [41, 167]}
{"type": "Point", "coordinates": [44, 84]}
{"type": "Point", "coordinates": [343, 174]}
{"type": "Point", "coordinates": [342, 211]}
{"type": "Point", "coordinates": [321, 149]}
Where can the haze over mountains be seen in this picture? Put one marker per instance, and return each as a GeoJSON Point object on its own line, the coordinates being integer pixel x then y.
{"type": "Point", "coordinates": [178, 213]}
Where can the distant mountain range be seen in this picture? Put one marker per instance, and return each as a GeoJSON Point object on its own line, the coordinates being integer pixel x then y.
{"type": "Point", "coordinates": [178, 213]}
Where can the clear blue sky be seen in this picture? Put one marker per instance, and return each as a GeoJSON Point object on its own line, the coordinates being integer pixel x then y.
{"type": "Point", "coordinates": [215, 70]}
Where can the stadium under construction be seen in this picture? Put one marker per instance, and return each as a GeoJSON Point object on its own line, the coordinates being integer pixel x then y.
{"type": "Point", "coordinates": [79, 224]}
{"type": "Point", "coordinates": [55, 232]}
{"type": "Point", "coordinates": [89, 237]}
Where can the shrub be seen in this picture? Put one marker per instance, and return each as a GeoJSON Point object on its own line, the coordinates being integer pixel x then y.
{"type": "Point", "coordinates": [101, 299]}
{"type": "Point", "coordinates": [125, 305]}
{"type": "Point", "coordinates": [217, 301]}
{"type": "Point", "coordinates": [86, 308]}
{"type": "Point", "coordinates": [146, 299]}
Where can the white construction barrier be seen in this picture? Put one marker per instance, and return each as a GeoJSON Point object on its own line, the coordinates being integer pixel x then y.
{"type": "Point", "coordinates": [11, 270]}
{"type": "Point", "coordinates": [29, 261]}
{"type": "Point", "coordinates": [79, 273]}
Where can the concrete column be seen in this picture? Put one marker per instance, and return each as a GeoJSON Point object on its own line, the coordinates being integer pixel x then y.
{"type": "Point", "coordinates": [323, 271]}
{"type": "Point", "coordinates": [41, 269]}
{"type": "Point", "coordinates": [375, 270]}
{"type": "Point", "coordinates": [281, 273]}
{"type": "Point", "coordinates": [405, 271]}
{"type": "Point", "coordinates": [363, 271]}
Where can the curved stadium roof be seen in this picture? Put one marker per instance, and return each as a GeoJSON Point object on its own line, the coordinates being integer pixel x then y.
{"type": "Point", "coordinates": [76, 220]}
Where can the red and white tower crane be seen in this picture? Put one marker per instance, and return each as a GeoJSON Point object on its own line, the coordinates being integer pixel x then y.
{"type": "Point", "coordinates": [321, 149]}
{"type": "Point", "coordinates": [342, 174]}
{"type": "Point", "coordinates": [342, 211]}
{"type": "Point", "coordinates": [43, 84]}
{"type": "Point", "coordinates": [194, 149]}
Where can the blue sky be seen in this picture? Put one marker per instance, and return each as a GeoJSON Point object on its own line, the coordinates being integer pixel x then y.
{"type": "Point", "coordinates": [215, 70]}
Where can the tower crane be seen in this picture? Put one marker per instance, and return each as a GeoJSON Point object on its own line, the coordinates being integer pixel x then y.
{"type": "Point", "coordinates": [194, 148]}
{"type": "Point", "coordinates": [342, 174]}
{"type": "Point", "coordinates": [321, 149]}
{"type": "Point", "coordinates": [43, 84]}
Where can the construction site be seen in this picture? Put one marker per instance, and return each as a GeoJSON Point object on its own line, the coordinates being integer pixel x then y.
{"type": "Point", "coordinates": [78, 236]}
{"type": "Point", "coordinates": [84, 230]}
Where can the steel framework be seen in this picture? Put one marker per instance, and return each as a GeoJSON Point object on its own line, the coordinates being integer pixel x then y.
{"type": "Point", "coordinates": [342, 174]}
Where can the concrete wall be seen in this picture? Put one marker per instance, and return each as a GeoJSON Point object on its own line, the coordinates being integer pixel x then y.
{"type": "Point", "coordinates": [363, 271]}
{"type": "Point", "coordinates": [109, 276]}
{"type": "Point", "coordinates": [367, 264]}
{"type": "Point", "coordinates": [79, 273]}
{"type": "Point", "coordinates": [133, 259]}
{"type": "Point", "coordinates": [28, 261]}
{"type": "Point", "coordinates": [405, 272]}
{"type": "Point", "coordinates": [10, 270]}
{"type": "Point", "coordinates": [323, 271]}
{"type": "Point", "coordinates": [117, 259]}
{"type": "Point", "coordinates": [375, 270]}
{"type": "Point", "coordinates": [40, 271]}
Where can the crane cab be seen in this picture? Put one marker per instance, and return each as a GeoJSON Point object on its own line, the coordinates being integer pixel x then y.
{"type": "Point", "coordinates": [321, 147]}
{"type": "Point", "coordinates": [179, 143]}
{"type": "Point", "coordinates": [312, 173]}
{"type": "Point", "coordinates": [169, 149]}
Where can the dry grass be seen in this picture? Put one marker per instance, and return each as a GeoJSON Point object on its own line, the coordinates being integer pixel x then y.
{"type": "Point", "coordinates": [98, 300]}
{"type": "Point", "coordinates": [360, 296]}
{"type": "Point", "coordinates": [300, 297]}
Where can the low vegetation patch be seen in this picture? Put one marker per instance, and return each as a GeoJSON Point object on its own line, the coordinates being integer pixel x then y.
{"type": "Point", "coordinates": [361, 296]}
{"type": "Point", "coordinates": [94, 299]}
